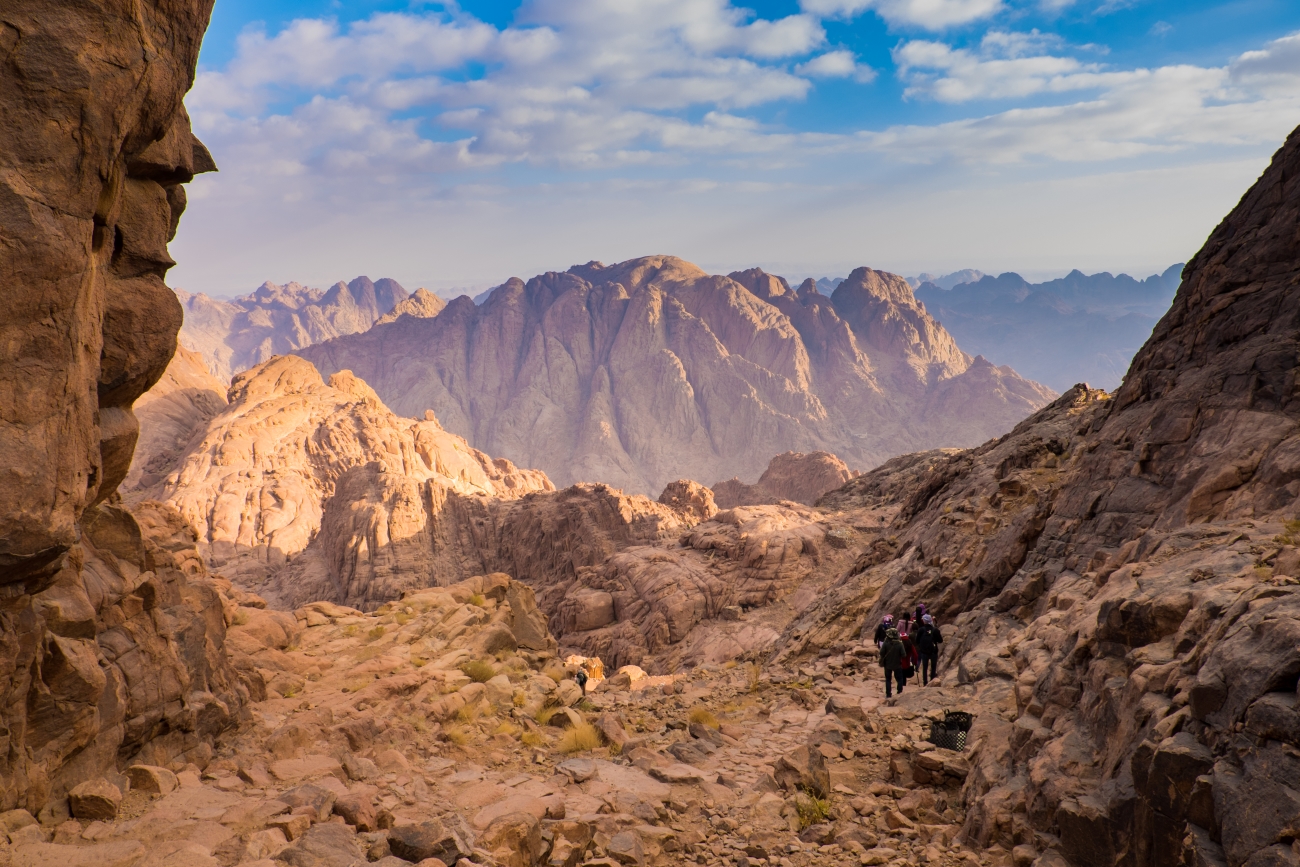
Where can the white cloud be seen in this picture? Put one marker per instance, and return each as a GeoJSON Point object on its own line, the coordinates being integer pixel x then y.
{"type": "Point", "coordinates": [1274, 69]}
{"type": "Point", "coordinates": [1002, 68]}
{"type": "Point", "coordinates": [836, 64]}
{"type": "Point", "coordinates": [930, 14]}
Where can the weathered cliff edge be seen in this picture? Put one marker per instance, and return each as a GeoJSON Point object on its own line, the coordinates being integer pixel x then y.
{"type": "Point", "coordinates": [1120, 576]}
{"type": "Point", "coordinates": [111, 633]}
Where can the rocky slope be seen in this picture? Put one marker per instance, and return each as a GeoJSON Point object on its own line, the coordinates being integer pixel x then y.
{"type": "Point", "coordinates": [112, 631]}
{"type": "Point", "coordinates": [233, 336]}
{"type": "Point", "coordinates": [1082, 327]}
{"type": "Point", "coordinates": [178, 407]}
{"type": "Point", "coordinates": [442, 729]}
{"type": "Point", "coordinates": [1120, 574]}
{"type": "Point", "coordinates": [789, 476]}
{"type": "Point", "coordinates": [257, 482]}
{"type": "Point", "coordinates": [648, 371]}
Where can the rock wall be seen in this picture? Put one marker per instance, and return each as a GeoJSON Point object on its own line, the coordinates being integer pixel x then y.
{"type": "Point", "coordinates": [1118, 576]}
{"type": "Point", "coordinates": [650, 370]}
{"type": "Point", "coordinates": [112, 634]}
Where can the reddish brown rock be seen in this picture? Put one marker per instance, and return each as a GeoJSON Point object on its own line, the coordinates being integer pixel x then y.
{"type": "Point", "coordinates": [112, 638]}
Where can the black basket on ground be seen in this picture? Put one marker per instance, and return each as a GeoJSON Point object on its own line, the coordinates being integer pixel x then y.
{"type": "Point", "coordinates": [950, 734]}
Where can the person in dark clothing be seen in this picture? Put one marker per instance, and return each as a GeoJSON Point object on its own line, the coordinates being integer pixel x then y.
{"type": "Point", "coordinates": [892, 654]}
{"type": "Point", "coordinates": [928, 639]}
{"type": "Point", "coordinates": [921, 611]}
{"type": "Point", "coordinates": [886, 624]}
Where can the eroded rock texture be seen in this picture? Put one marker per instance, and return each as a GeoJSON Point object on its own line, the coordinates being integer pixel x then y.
{"type": "Point", "coordinates": [647, 371]}
{"type": "Point", "coordinates": [112, 634]}
{"type": "Point", "coordinates": [172, 413]}
{"type": "Point", "coordinates": [233, 336]}
{"type": "Point", "coordinates": [1119, 576]}
{"type": "Point", "coordinates": [789, 476]}
{"type": "Point", "coordinates": [290, 457]}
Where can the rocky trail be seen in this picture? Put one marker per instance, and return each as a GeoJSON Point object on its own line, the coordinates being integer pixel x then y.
{"type": "Point", "coordinates": [444, 729]}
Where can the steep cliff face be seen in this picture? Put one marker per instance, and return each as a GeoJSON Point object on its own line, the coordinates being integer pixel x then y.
{"type": "Point", "coordinates": [1119, 576]}
{"type": "Point", "coordinates": [112, 635]}
{"type": "Point", "coordinates": [233, 336]}
{"type": "Point", "coordinates": [651, 370]}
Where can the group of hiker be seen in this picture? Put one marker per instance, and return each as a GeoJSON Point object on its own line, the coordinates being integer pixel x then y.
{"type": "Point", "coordinates": [906, 644]}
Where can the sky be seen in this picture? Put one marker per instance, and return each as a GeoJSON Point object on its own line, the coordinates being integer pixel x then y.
{"type": "Point", "coordinates": [454, 145]}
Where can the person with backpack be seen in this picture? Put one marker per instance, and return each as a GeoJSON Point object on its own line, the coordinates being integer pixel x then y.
{"type": "Point", "coordinates": [928, 639]}
{"type": "Point", "coordinates": [892, 655]}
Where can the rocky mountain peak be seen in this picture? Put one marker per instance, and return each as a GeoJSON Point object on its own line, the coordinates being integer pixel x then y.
{"type": "Point", "coordinates": [650, 370]}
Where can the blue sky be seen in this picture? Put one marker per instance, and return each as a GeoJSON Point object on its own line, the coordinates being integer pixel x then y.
{"type": "Point", "coordinates": [455, 145]}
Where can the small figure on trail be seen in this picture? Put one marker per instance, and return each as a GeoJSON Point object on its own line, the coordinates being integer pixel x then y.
{"type": "Point", "coordinates": [928, 639]}
{"type": "Point", "coordinates": [581, 677]}
{"type": "Point", "coordinates": [886, 624]}
{"type": "Point", "coordinates": [921, 611]}
{"type": "Point", "coordinates": [910, 658]}
{"type": "Point", "coordinates": [892, 654]}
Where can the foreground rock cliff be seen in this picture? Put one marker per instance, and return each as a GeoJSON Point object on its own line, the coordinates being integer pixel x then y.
{"type": "Point", "coordinates": [647, 371]}
{"type": "Point", "coordinates": [1121, 576]}
{"type": "Point", "coordinates": [112, 632]}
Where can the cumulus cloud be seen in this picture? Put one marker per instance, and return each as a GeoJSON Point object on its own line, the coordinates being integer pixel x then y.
{"type": "Point", "coordinates": [930, 14]}
{"type": "Point", "coordinates": [836, 64]}
{"type": "Point", "coordinates": [1006, 65]}
{"type": "Point", "coordinates": [602, 84]}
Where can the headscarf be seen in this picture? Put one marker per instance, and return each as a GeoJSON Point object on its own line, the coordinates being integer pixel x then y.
{"type": "Point", "coordinates": [892, 634]}
{"type": "Point", "coordinates": [927, 619]}
{"type": "Point", "coordinates": [889, 618]}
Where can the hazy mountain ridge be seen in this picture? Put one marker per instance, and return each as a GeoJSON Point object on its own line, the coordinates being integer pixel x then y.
{"type": "Point", "coordinates": [234, 335]}
{"type": "Point", "coordinates": [1078, 328]}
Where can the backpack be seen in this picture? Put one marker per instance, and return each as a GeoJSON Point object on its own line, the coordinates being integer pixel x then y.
{"type": "Point", "coordinates": [927, 640]}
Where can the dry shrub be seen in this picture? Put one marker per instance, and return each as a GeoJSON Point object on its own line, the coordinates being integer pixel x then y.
{"type": "Point", "coordinates": [579, 739]}
{"type": "Point", "coordinates": [456, 734]}
{"type": "Point", "coordinates": [479, 670]}
{"type": "Point", "coordinates": [703, 716]}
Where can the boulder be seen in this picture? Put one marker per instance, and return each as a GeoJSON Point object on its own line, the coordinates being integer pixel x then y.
{"type": "Point", "coordinates": [327, 845]}
{"type": "Point", "coordinates": [803, 769]}
{"type": "Point", "coordinates": [95, 800]}
{"type": "Point", "coordinates": [429, 840]}
{"type": "Point", "coordinates": [151, 779]}
{"type": "Point", "coordinates": [514, 839]}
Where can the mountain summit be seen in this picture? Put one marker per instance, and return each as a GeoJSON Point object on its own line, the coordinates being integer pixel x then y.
{"type": "Point", "coordinates": [651, 370]}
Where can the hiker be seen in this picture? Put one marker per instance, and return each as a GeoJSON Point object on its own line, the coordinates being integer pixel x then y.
{"type": "Point", "coordinates": [921, 611]}
{"type": "Point", "coordinates": [886, 624]}
{"type": "Point", "coordinates": [910, 657]}
{"type": "Point", "coordinates": [581, 677]}
{"type": "Point", "coordinates": [892, 654]}
{"type": "Point", "coordinates": [928, 639]}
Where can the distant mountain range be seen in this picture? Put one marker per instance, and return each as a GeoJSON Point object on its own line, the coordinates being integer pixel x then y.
{"type": "Point", "coordinates": [1080, 328]}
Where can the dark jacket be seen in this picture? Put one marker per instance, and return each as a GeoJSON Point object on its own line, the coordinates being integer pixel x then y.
{"type": "Point", "coordinates": [880, 633]}
{"type": "Point", "coordinates": [928, 639]}
{"type": "Point", "coordinates": [892, 655]}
